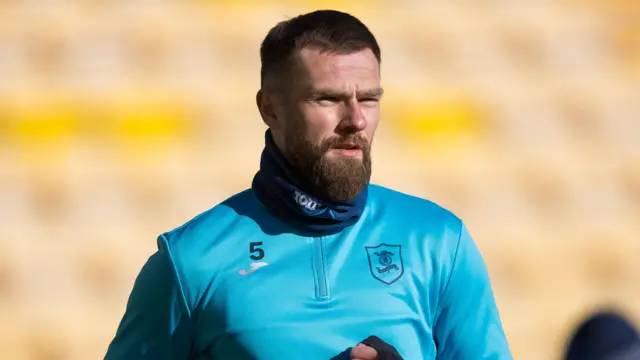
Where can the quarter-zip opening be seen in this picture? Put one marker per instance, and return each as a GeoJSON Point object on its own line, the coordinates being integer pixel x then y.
{"type": "Point", "coordinates": [319, 269]}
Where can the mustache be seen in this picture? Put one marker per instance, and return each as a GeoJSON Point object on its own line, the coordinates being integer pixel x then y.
{"type": "Point", "coordinates": [360, 141]}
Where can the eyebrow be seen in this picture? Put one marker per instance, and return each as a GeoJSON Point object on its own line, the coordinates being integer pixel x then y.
{"type": "Point", "coordinates": [371, 93]}
{"type": "Point", "coordinates": [377, 92]}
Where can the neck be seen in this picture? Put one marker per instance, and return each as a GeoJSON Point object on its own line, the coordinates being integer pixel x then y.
{"type": "Point", "coordinates": [283, 192]}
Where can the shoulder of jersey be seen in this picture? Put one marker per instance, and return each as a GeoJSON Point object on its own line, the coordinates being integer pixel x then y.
{"type": "Point", "coordinates": [235, 212]}
{"type": "Point", "coordinates": [410, 208]}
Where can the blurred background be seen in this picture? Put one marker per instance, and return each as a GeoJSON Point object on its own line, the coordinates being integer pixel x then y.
{"type": "Point", "coordinates": [120, 120]}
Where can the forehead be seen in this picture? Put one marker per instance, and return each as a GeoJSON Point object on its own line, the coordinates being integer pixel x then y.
{"type": "Point", "coordinates": [325, 69]}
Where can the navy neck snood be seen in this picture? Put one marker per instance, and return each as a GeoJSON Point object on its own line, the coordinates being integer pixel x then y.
{"type": "Point", "coordinates": [282, 193]}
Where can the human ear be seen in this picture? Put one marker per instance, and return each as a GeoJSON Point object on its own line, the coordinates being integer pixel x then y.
{"type": "Point", "coordinates": [266, 107]}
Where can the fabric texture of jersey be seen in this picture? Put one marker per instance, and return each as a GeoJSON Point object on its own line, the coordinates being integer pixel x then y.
{"type": "Point", "coordinates": [237, 283]}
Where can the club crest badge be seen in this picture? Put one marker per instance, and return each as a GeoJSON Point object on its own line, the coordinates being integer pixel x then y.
{"type": "Point", "coordinates": [385, 262]}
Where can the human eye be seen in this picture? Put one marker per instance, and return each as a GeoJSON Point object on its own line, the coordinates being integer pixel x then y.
{"type": "Point", "coordinates": [369, 100]}
{"type": "Point", "coordinates": [327, 99]}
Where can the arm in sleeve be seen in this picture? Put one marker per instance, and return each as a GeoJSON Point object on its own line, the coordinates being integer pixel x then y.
{"type": "Point", "coordinates": [157, 321]}
{"type": "Point", "coordinates": [467, 323]}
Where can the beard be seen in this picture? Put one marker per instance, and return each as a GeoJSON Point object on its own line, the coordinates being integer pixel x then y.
{"type": "Point", "coordinates": [330, 178]}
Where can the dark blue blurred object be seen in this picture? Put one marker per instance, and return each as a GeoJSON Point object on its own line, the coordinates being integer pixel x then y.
{"type": "Point", "coordinates": [606, 335]}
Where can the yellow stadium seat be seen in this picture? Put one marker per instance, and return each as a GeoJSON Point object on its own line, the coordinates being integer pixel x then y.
{"type": "Point", "coordinates": [34, 119]}
{"type": "Point", "coordinates": [94, 332]}
{"type": "Point", "coordinates": [349, 6]}
{"type": "Point", "coordinates": [48, 341]}
{"type": "Point", "coordinates": [631, 7]}
{"type": "Point", "coordinates": [99, 268]}
{"type": "Point", "coordinates": [329, 4]}
{"type": "Point", "coordinates": [629, 179]}
{"type": "Point", "coordinates": [42, 127]}
{"type": "Point", "coordinates": [627, 41]}
{"type": "Point", "coordinates": [11, 328]}
{"type": "Point", "coordinates": [26, 336]}
{"type": "Point", "coordinates": [4, 121]}
{"type": "Point", "coordinates": [240, 3]}
{"type": "Point", "coordinates": [435, 121]}
{"type": "Point", "coordinates": [138, 120]}
{"type": "Point", "coordinates": [143, 126]}
{"type": "Point", "coordinates": [104, 269]}
{"type": "Point", "coordinates": [8, 277]}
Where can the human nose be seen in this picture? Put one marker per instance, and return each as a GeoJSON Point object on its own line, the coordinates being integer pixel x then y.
{"type": "Point", "coordinates": [354, 119]}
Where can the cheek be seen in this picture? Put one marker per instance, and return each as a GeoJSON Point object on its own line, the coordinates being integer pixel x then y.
{"type": "Point", "coordinates": [319, 121]}
{"type": "Point", "coordinates": [372, 115]}
{"type": "Point", "coordinates": [320, 115]}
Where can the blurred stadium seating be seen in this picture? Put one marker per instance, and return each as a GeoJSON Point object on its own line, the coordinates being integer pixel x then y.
{"type": "Point", "coordinates": [120, 120]}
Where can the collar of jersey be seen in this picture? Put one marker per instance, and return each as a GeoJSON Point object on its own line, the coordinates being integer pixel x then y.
{"type": "Point", "coordinates": [279, 190]}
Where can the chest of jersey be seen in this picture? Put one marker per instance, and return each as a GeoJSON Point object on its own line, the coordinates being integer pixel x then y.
{"type": "Point", "coordinates": [287, 297]}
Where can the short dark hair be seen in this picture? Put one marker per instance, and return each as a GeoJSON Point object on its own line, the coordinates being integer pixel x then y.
{"type": "Point", "coordinates": [329, 30]}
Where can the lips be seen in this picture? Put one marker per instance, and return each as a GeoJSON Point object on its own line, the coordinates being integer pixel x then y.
{"type": "Point", "coordinates": [347, 146]}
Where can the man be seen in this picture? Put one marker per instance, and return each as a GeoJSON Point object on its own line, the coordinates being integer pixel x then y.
{"type": "Point", "coordinates": [312, 259]}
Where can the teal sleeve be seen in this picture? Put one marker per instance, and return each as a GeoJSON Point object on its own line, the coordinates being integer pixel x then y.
{"type": "Point", "coordinates": [467, 322]}
{"type": "Point", "coordinates": [157, 321]}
